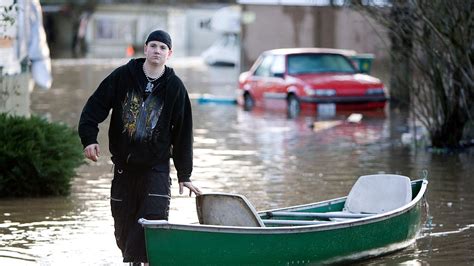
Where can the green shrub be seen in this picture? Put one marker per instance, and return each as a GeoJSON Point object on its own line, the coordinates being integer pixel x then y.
{"type": "Point", "coordinates": [37, 158]}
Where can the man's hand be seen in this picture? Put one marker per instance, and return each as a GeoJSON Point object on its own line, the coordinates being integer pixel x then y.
{"type": "Point", "coordinates": [92, 152]}
{"type": "Point", "coordinates": [191, 188]}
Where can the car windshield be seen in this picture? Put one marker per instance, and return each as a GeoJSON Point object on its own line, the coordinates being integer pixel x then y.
{"type": "Point", "coordinates": [318, 63]}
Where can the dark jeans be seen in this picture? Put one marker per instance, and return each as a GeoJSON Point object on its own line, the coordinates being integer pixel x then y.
{"type": "Point", "coordinates": [135, 194]}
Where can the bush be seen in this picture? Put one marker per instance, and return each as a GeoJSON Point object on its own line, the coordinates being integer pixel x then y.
{"type": "Point", "coordinates": [37, 158]}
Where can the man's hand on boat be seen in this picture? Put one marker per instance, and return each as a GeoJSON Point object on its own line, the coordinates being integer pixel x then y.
{"type": "Point", "coordinates": [192, 188]}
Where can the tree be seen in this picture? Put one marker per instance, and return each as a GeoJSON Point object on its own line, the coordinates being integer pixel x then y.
{"type": "Point", "coordinates": [436, 37]}
{"type": "Point", "coordinates": [401, 40]}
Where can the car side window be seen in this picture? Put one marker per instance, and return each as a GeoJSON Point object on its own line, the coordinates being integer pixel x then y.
{"type": "Point", "coordinates": [278, 66]}
{"type": "Point", "coordinates": [263, 70]}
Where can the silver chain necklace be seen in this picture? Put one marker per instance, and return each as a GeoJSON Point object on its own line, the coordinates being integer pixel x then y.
{"type": "Point", "coordinates": [149, 85]}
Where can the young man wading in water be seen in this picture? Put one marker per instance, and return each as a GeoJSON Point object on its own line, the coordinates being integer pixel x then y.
{"type": "Point", "coordinates": [151, 122]}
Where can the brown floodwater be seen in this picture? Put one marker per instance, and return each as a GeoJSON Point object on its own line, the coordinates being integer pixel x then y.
{"type": "Point", "coordinates": [272, 160]}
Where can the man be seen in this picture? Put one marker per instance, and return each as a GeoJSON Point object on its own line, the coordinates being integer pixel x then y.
{"type": "Point", "coordinates": [151, 122]}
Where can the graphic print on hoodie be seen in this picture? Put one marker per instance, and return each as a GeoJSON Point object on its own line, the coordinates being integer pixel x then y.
{"type": "Point", "coordinates": [141, 117]}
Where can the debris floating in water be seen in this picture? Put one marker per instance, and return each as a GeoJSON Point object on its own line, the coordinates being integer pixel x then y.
{"type": "Point", "coordinates": [354, 118]}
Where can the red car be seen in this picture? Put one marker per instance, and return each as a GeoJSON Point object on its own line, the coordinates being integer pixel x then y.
{"type": "Point", "coordinates": [301, 76]}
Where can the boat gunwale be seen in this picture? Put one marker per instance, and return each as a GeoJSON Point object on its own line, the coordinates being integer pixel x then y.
{"type": "Point", "coordinates": [333, 225]}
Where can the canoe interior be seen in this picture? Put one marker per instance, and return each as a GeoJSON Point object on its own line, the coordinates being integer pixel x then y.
{"type": "Point", "coordinates": [335, 205]}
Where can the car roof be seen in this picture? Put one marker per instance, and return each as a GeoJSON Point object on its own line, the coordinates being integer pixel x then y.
{"type": "Point", "coordinates": [284, 51]}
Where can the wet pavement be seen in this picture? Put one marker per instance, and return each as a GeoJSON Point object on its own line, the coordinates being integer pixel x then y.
{"type": "Point", "coordinates": [272, 160]}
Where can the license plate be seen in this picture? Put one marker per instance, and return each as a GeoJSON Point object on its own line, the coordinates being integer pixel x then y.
{"type": "Point", "coordinates": [326, 109]}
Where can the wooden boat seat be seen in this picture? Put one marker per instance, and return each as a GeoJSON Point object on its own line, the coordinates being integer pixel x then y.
{"type": "Point", "coordinates": [374, 194]}
{"type": "Point", "coordinates": [226, 209]}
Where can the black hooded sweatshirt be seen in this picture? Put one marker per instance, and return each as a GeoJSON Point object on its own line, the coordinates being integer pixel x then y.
{"type": "Point", "coordinates": [145, 130]}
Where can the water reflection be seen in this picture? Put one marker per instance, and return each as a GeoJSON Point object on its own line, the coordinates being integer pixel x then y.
{"type": "Point", "coordinates": [270, 159]}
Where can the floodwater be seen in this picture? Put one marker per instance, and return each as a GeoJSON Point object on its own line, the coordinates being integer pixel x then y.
{"type": "Point", "coordinates": [272, 160]}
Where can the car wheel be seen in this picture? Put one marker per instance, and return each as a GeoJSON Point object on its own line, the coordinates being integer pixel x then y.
{"type": "Point", "coordinates": [248, 102]}
{"type": "Point", "coordinates": [293, 106]}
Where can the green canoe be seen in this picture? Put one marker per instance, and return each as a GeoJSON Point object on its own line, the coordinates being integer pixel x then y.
{"type": "Point", "coordinates": [381, 214]}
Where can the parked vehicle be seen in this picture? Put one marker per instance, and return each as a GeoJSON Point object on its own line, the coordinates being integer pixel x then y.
{"type": "Point", "coordinates": [381, 214]}
{"type": "Point", "coordinates": [225, 51]}
{"type": "Point", "coordinates": [297, 76]}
